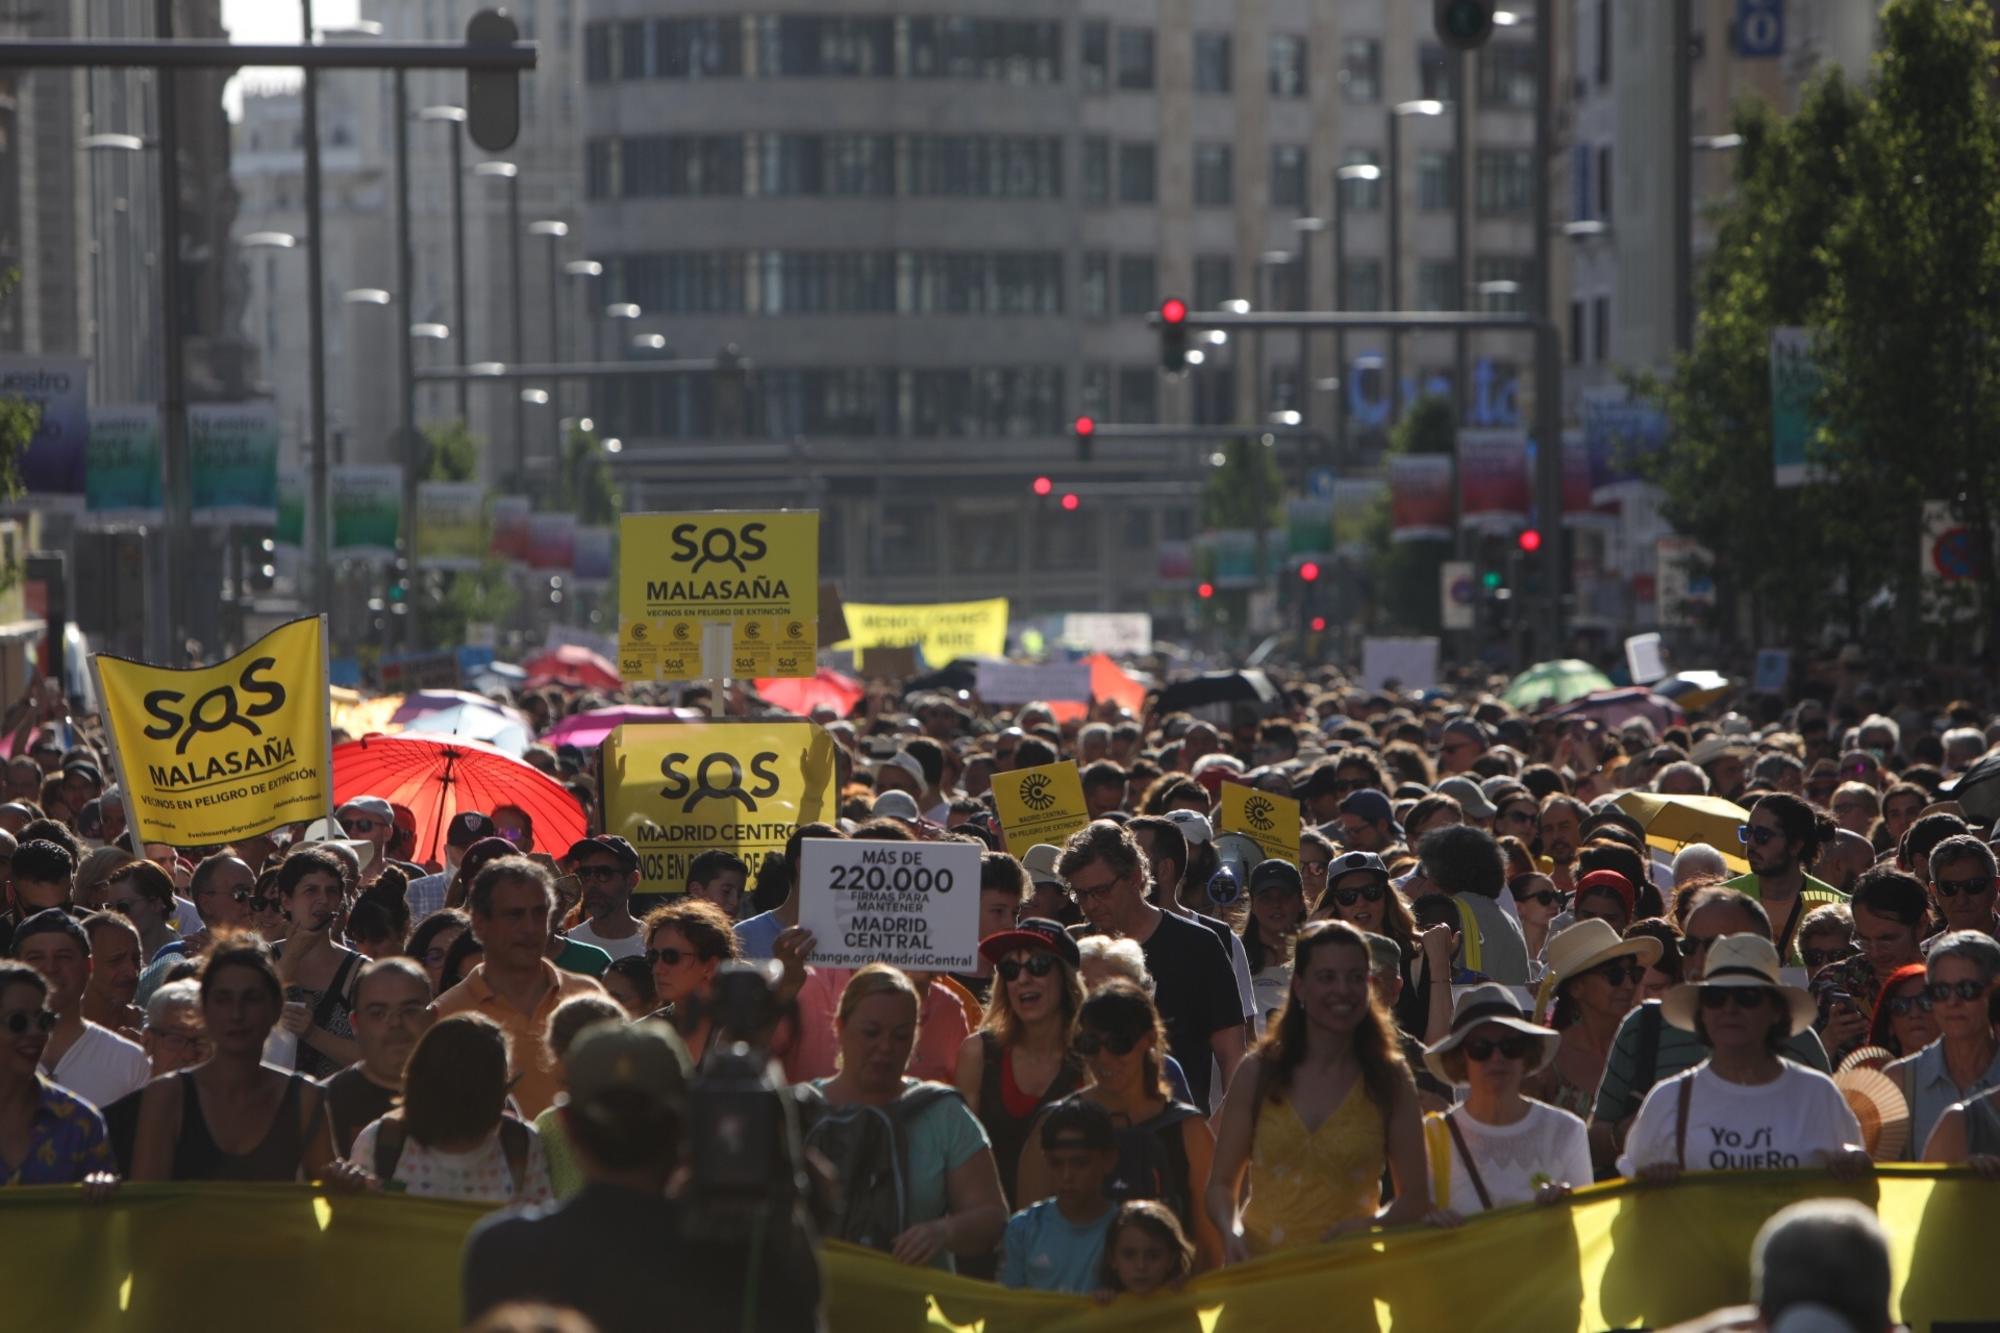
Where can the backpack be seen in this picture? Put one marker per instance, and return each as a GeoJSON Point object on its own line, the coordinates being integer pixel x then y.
{"type": "Point", "coordinates": [394, 1133]}
{"type": "Point", "coordinates": [868, 1149]}
{"type": "Point", "coordinates": [1153, 1164]}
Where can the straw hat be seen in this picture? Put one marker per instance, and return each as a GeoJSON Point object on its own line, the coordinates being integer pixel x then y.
{"type": "Point", "coordinates": [1738, 961]}
{"type": "Point", "coordinates": [1490, 1002]}
{"type": "Point", "coordinates": [1583, 946]}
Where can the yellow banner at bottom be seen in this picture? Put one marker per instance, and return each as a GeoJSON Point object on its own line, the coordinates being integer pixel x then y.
{"type": "Point", "coordinates": [1615, 1256]}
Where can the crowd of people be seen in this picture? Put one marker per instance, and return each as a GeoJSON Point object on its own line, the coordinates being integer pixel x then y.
{"type": "Point", "coordinates": [1477, 982]}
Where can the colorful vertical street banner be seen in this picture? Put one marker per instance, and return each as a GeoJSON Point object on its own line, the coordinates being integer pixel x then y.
{"type": "Point", "coordinates": [1795, 420]}
{"type": "Point", "coordinates": [1619, 433]}
{"type": "Point", "coordinates": [1309, 528]}
{"type": "Point", "coordinates": [592, 565]}
{"type": "Point", "coordinates": [1355, 502]}
{"type": "Point", "coordinates": [367, 501]}
{"type": "Point", "coordinates": [233, 462]}
{"type": "Point", "coordinates": [1228, 557]}
{"type": "Point", "coordinates": [1494, 495]}
{"type": "Point", "coordinates": [551, 543]}
{"type": "Point", "coordinates": [122, 482]}
{"type": "Point", "coordinates": [290, 533]}
{"type": "Point", "coordinates": [1579, 510]}
{"type": "Point", "coordinates": [217, 753]}
{"type": "Point", "coordinates": [757, 572]}
{"type": "Point", "coordinates": [1420, 497]}
{"type": "Point", "coordinates": [451, 525]}
{"type": "Point", "coordinates": [54, 468]}
{"type": "Point", "coordinates": [510, 527]}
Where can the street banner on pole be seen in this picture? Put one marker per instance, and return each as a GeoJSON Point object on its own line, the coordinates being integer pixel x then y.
{"type": "Point", "coordinates": [367, 510]}
{"type": "Point", "coordinates": [122, 476]}
{"type": "Point", "coordinates": [1493, 480]}
{"type": "Point", "coordinates": [673, 792]}
{"type": "Point", "coordinates": [217, 753]}
{"type": "Point", "coordinates": [1043, 804]}
{"type": "Point", "coordinates": [592, 564]}
{"type": "Point", "coordinates": [551, 542]}
{"type": "Point", "coordinates": [510, 527]}
{"type": "Point", "coordinates": [1270, 821]}
{"type": "Point", "coordinates": [944, 630]}
{"type": "Point", "coordinates": [907, 904]}
{"type": "Point", "coordinates": [233, 462]}
{"type": "Point", "coordinates": [1420, 497]}
{"type": "Point", "coordinates": [54, 467]}
{"type": "Point", "coordinates": [451, 525]}
{"type": "Point", "coordinates": [756, 572]}
{"type": "Point", "coordinates": [1795, 383]}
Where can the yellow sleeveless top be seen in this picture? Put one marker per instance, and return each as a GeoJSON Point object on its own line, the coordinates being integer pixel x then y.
{"type": "Point", "coordinates": [1301, 1184]}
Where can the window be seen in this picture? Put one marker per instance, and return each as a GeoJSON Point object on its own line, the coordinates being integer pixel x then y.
{"type": "Point", "coordinates": [1096, 293]}
{"type": "Point", "coordinates": [1600, 320]}
{"type": "Point", "coordinates": [1138, 395]}
{"type": "Point", "coordinates": [1135, 173]}
{"type": "Point", "coordinates": [632, 49]}
{"type": "Point", "coordinates": [1437, 285]}
{"type": "Point", "coordinates": [1212, 73]}
{"type": "Point", "coordinates": [1288, 175]}
{"type": "Point", "coordinates": [1604, 182]}
{"type": "Point", "coordinates": [978, 166]}
{"type": "Point", "coordinates": [905, 538]}
{"type": "Point", "coordinates": [1359, 196]}
{"type": "Point", "coordinates": [1135, 59]}
{"type": "Point", "coordinates": [654, 166]}
{"type": "Point", "coordinates": [1288, 65]}
{"type": "Point", "coordinates": [809, 46]}
{"type": "Point", "coordinates": [1360, 70]}
{"type": "Point", "coordinates": [986, 537]}
{"type": "Point", "coordinates": [1502, 268]}
{"type": "Point", "coordinates": [600, 181]}
{"type": "Point", "coordinates": [1096, 171]}
{"type": "Point", "coordinates": [597, 53]}
{"type": "Point", "coordinates": [987, 402]}
{"type": "Point", "coordinates": [1093, 391]}
{"type": "Point", "coordinates": [1507, 76]}
{"type": "Point", "coordinates": [1212, 177]}
{"type": "Point", "coordinates": [1096, 56]}
{"type": "Point", "coordinates": [1214, 276]}
{"type": "Point", "coordinates": [1504, 184]}
{"type": "Point", "coordinates": [697, 48]}
{"type": "Point", "coordinates": [1437, 181]}
{"type": "Point", "coordinates": [1433, 72]}
{"type": "Point", "coordinates": [1577, 347]}
{"type": "Point", "coordinates": [1603, 43]}
{"type": "Point", "coordinates": [1364, 284]}
{"type": "Point", "coordinates": [1281, 390]}
{"type": "Point", "coordinates": [1213, 395]}
{"type": "Point", "coordinates": [1138, 287]}
{"type": "Point", "coordinates": [1012, 51]}
{"type": "Point", "coordinates": [1068, 543]}
{"type": "Point", "coordinates": [1581, 197]}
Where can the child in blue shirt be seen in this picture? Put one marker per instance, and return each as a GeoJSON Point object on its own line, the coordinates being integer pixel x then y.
{"type": "Point", "coordinates": [1058, 1243]}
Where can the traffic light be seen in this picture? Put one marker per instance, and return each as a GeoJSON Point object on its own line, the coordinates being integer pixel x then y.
{"type": "Point", "coordinates": [1070, 502]}
{"type": "Point", "coordinates": [1173, 336]}
{"type": "Point", "coordinates": [492, 96]}
{"type": "Point", "coordinates": [1463, 25]}
{"type": "Point", "coordinates": [1490, 579]}
{"type": "Point", "coordinates": [1309, 572]}
{"type": "Point", "coordinates": [1204, 590]}
{"type": "Point", "coordinates": [1042, 486]}
{"type": "Point", "coordinates": [1530, 540]}
{"type": "Point", "coordinates": [1319, 624]}
{"type": "Point", "coordinates": [1086, 431]}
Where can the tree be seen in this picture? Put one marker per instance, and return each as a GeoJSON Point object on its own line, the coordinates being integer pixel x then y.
{"type": "Point", "coordinates": [451, 452]}
{"type": "Point", "coordinates": [583, 483]}
{"type": "Point", "coordinates": [1243, 493]}
{"type": "Point", "coordinates": [1407, 575]}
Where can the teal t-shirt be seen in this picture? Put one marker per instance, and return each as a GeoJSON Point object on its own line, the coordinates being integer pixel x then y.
{"type": "Point", "coordinates": [941, 1138]}
{"type": "Point", "coordinates": [1045, 1251]}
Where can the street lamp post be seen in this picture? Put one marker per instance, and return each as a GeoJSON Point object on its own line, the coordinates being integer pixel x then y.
{"type": "Point", "coordinates": [1355, 172]}
{"type": "Point", "coordinates": [510, 173]}
{"type": "Point", "coordinates": [1421, 107]}
{"type": "Point", "coordinates": [454, 117]}
{"type": "Point", "coordinates": [1266, 291]}
{"type": "Point", "coordinates": [553, 231]}
{"type": "Point", "coordinates": [1306, 228]}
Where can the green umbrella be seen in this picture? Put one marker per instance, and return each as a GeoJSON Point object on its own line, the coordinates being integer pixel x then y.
{"type": "Point", "coordinates": [1559, 682]}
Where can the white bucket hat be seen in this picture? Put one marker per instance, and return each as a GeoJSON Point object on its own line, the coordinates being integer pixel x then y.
{"type": "Point", "coordinates": [1486, 1003]}
{"type": "Point", "coordinates": [1739, 962]}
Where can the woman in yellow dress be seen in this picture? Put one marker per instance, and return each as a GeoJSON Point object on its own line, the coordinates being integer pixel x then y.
{"type": "Point", "coordinates": [1317, 1111]}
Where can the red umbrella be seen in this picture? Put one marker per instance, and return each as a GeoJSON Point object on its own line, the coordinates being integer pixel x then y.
{"type": "Point", "coordinates": [573, 664]}
{"type": "Point", "coordinates": [803, 694]}
{"type": "Point", "coordinates": [438, 776]}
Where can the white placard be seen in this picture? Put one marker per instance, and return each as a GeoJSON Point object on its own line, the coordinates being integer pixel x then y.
{"type": "Point", "coordinates": [1411, 663]}
{"type": "Point", "coordinates": [1645, 659]}
{"type": "Point", "coordinates": [908, 904]}
{"type": "Point", "coordinates": [1023, 682]}
{"type": "Point", "coordinates": [1119, 633]}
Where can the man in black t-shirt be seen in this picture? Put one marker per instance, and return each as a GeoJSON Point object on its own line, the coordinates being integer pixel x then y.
{"type": "Point", "coordinates": [1195, 990]}
{"type": "Point", "coordinates": [391, 1010]}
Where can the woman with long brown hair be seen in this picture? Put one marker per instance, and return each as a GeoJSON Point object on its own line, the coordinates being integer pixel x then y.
{"type": "Point", "coordinates": [1317, 1111]}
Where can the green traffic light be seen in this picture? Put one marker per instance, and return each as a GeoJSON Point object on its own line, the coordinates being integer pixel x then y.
{"type": "Point", "coordinates": [1491, 578]}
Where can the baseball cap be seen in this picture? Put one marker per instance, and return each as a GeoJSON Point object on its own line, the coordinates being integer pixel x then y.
{"type": "Point", "coordinates": [1276, 873]}
{"type": "Point", "coordinates": [1040, 862]}
{"type": "Point", "coordinates": [628, 859]}
{"type": "Point", "coordinates": [1384, 954]}
{"type": "Point", "coordinates": [896, 805]}
{"type": "Point", "coordinates": [1468, 795]}
{"type": "Point", "coordinates": [468, 827]}
{"type": "Point", "coordinates": [1349, 862]}
{"type": "Point", "coordinates": [613, 1066]}
{"type": "Point", "coordinates": [1368, 804]}
{"type": "Point", "coordinates": [1193, 824]}
{"type": "Point", "coordinates": [906, 761]}
{"type": "Point", "coordinates": [1034, 933]}
{"type": "Point", "coordinates": [1079, 1124]}
{"type": "Point", "coordinates": [80, 768]}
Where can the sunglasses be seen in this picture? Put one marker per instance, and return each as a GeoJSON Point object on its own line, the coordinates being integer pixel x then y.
{"type": "Point", "coordinates": [1520, 815]}
{"type": "Point", "coordinates": [1756, 833]}
{"type": "Point", "coordinates": [1621, 969]}
{"type": "Point", "coordinates": [1951, 888]}
{"type": "Point", "coordinates": [671, 957]}
{"type": "Point", "coordinates": [362, 824]}
{"type": "Point", "coordinates": [1090, 1043]}
{"type": "Point", "coordinates": [1479, 1050]}
{"type": "Point", "coordinates": [1940, 991]}
{"type": "Point", "coordinates": [1349, 897]}
{"type": "Point", "coordinates": [1743, 997]}
{"type": "Point", "coordinates": [1037, 965]}
{"type": "Point", "coordinates": [263, 905]}
{"type": "Point", "coordinates": [1821, 957]}
{"type": "Point", "coordinates": [1546, 897]}
{"type": "Point", "coordinates": [1902, 1006]}
{"type": "Point", "coordinates": [42, 1021]}
{"type": "Point", "coordinates": [600, 874]}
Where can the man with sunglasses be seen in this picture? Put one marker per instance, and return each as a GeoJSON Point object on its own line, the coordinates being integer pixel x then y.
{"type": "Point", "coordinates": [608, 868]}
{"type": "Point", "coordinates": [1963, 874]}
{"type": "Point", "coordinates": [369, 819]}
{"type": "Point", "coordinates": [1782, 841]}
{"type": "Point", "coordinates": [1649, 1050]}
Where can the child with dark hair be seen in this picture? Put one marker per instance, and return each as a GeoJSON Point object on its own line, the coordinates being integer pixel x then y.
{"type": "Point", "coordinates": [1057, 1244]}
{"type": "Point", "coordinates": [1145, 1249]}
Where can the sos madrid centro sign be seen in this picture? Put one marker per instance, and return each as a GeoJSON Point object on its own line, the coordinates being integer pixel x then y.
{"type": "Point", "coordinates": [1495, 398]}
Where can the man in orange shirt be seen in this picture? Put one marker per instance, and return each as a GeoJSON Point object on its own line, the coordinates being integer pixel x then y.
{"type": "Point", "coordinates": [516, 985]}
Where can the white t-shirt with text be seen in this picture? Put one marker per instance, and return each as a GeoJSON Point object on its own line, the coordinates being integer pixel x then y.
{"type": "Point", "coordinates": [1795, 1120]}
{"type": "Point", "coordinates": [1547, 1145]}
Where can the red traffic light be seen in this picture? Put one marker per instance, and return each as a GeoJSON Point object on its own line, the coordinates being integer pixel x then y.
{"type": "Point", "coordinates": [1204, 590]}
{"type": "Point", "coordinates": [1530, 540]}
{"type": "Point", "coordinates": [1173, 311]}
{"type": "Point", "coordinates": [1319, 624]}
{"type": "Point", "coordinates": [1069, 500]}
{"type": "Point", "coordinates": [1309, 572]}
{"type": "Point", "coordinates": [1043, 485]}
{"type": "Point", "coordinates": [1086, 426]}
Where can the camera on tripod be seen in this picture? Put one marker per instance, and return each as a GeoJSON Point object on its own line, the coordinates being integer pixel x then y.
{"type": "Point", "coordinates": [747, 1163]}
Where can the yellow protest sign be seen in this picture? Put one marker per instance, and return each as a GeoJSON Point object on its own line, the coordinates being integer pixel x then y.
{"type": "Point", "coordinates": [756, 572]}
{"type": "Point", "coordinates": [1269, 820]}
{"type": "Point", "coordinates": [228, 751]}
{"type": "Point", "coordinates": [676, 791]}
{"type": "Point", "coordinates": [944, 630]}
{"type": "Point", "coordinates": [1042, 804]}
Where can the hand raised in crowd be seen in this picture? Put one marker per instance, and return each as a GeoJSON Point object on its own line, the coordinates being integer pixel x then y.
{"type": "Point", "coordinates": [792, 948]}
